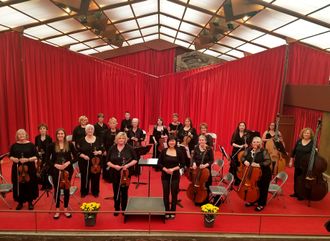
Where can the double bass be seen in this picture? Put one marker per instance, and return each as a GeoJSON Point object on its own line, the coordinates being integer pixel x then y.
{"type": "Point", "coordinates": [312, 185]}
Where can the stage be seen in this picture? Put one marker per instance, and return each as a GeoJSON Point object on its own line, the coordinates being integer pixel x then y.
{"type": "Point", "coordinates": [283, 216]}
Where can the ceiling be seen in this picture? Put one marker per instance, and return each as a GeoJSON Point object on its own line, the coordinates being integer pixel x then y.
{"type": "Point", "coordinates": [93, 26]}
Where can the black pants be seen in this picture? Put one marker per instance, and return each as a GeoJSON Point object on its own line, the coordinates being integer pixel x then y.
{"type": "Point", "coordinates": [105, 172]}
{"type": "Point", "coordinates": [298, 173]}
{"type": "Point", "coordinates": [233, 168]}
{"type": "Point", "coordinates": [57, 191]}
{"type": "Point", "coordinates": [263, 185]}
{"type": "Point", "coordinates": [170, 186]}
{"type": "Point", "coordinates": [120, 199]}
{"type": "Point", "coordinates": [88, 177]}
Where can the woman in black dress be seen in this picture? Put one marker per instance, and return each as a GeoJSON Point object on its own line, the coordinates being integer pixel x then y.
{"type": "Point", "coordinates": [100, 127]}
{"type": "Point", "coordinates": [23, 174]}
{"type": "Point", "coordinates": [90, 149]}
{"type": "Point", "coordinates": [61, 155]}
{"type": "Point", "coordinates": [302, 148]}
{"type": "Point", "coordinates": [42, 141]}
{"type": "Point", "coordinates": [135, 134]}
{"type": "Point", "coordinates": [188, 135]}
{"type": "Point", "coordinates": [175, 126]}
{"type": "Point", "coordinates": [79, 131]}
{"type": "Point", "coordinates": [256, 156]}
{"type": "Point", "coordinates": [121, 157]}
{"type": "Point", "coordinates": [170, 161]}
{"type": "Point", "coordinates": [159, 137]}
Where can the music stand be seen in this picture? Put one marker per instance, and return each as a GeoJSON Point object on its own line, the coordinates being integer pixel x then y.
{"type": "Point", "coordinates": [148, 162]}
{"type": "Point", "coordinates": [224, 153]}
{"type": "Point", "coordinates": [141, 151]}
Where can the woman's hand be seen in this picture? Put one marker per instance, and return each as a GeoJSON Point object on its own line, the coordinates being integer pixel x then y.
{"type": "Point", "coordinates": [194, 166]}
{"type": "Point", "coordinates": [253, 164]}
{"type": "Point", "coordinates": [246, 163]}
{"type": "Point", "coordinates": [291, 162]}
{"type": "Point", "coordinates": [85, 157]}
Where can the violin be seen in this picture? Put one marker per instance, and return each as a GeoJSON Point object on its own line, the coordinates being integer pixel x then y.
{"type": "Point", "coordinates": [96, 167]}
{"type": "Point", "coordinates": [186, 140]}
{"type": "Point", "coordinates": [64, 180]}
{"type": "Point", "coordinates": [125, 180]}
{"type": "Point", "coordinates": [23, 173]}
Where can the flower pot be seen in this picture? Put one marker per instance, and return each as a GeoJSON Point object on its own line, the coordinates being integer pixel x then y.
{"type": "Point", "coordinates": [209, 220]}
{"type": "Point", "coordinates": [90, 220]}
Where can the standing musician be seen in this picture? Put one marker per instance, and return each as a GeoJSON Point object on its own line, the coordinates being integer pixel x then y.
{"type": "Point", "coordinates": [121, 158]}
{"type": "Point", "coordinates": [79, 131]}
{"type": "Point", "coordinates": [270, 133]}
{"type": "Point", "coordinates": [126, 123]}
{"type": "Point", "coordinates": [203, 158]}
{"type": "Point", "coordinates": [203, 131]}
{"type": "Point", "coordinates": [42, 141]}
{"type": "Point", "coordinates": [159, 137]}
{"type": "Point", "coordinates": [188, 135]}
{"type": "Point", "coordinates": [61, 155]}
{"type": "Point", "coordinates": [302, 148]}
{"type": "Point", "coordinates": [239, 142]}
{"type": "Point", "coordinates": [90, 149]}
{"type": "Point", "coordinates": [23, 173]}
{"type": "Point", "coordinates": [175, 126]}
{"type": "Point", "coordinates": [109, 140]}
{"type": "Point", "coordinates": [100, 127]}
{"type": "Point", "coordinates": [170, 161]}
{"type": "Point", "coordinates": [256, 156]}
{"type": "Point", "coordinates": [135, 134]}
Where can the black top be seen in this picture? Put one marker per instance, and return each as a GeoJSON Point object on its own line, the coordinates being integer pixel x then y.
{"type": "Point", "coordinates": [269, 136]}
{"type": "Point", "coordinates": [100, 130]}
{"type": "Point", "coordinates": [42, 145]}
{"type": "Point", "coordinates": [88, 148]}
{"type": "Point", "coordinates": [25, 150]}
{"type": "Point", "coordinates": [138, 134]}
{"type": "Point", "coordinates": [175, 128]}
{"type": "Point", "coordinates": [261, 157]}
{"type": "Point", "coordinates": [125, 124]}
{"type": "Point", "coordinates": [121, 158]}
{"type": "Point", "coordinates": [182, 133]}
{"type": "Point", "coordinates": [61, 157]}
{"type": "Point", "coordinates": [109, 138]}
{"type": "Point", "coordinates": [168, 161]}
{"type": "Point", "coordinates": [157, 134]}
{"type": "Point", "coordinates": [78, 133]}
{"type": "Point", "coordinates": [203, 157]}
{"type": "Point", "coordinates": [300, 151]}
{"type": "Point", "coordinates": [237, 139]}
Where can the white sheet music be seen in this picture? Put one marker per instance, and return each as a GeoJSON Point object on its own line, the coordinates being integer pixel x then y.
{"type": "Point", "coordinates": [153, 161]}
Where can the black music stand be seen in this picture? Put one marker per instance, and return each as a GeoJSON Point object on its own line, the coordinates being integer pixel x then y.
{"type": "Point", "coordinates": [141, 151]}
{"type": "Point", "coordinates": [148, 162]}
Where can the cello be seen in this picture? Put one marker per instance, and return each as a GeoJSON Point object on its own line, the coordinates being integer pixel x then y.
{"type": "Point", "coordinates": [312, 185]}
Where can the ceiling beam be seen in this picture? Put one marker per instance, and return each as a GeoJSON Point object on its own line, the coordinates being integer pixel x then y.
{"type": "Point", "coordinates": [3, 4]}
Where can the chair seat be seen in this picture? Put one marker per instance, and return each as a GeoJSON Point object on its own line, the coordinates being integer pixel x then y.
{"type": "Point", "coordinates": [274, 188]}
{"type": "Point", "coordinates": [73, 190]}
{"type": "Point", "coordinates": [215, 173]}
{"type": "Point", "coordinates": [218, 190]}
{"type": "Point", "coordinates": [5, 187]}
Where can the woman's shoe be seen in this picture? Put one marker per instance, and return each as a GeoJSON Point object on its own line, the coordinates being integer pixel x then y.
{"type": "Point", "coordinates": [68, 215]}
{"type": "Point", "coordinates": [293, 195]}
{"type": "Point", "coordinates": [56, 216]}
{"type": "Point", "coordinates": [249, 204]}
{"type": "Point", "coordinates": [167, 216]}
{"type": "Point", "coordinates": [172, 216]}
{"type": "Point", "coordinates": [31, 207]}
{"type": "Point", "coordinates": [259, 208]}
{"type": "Point", "coordinates": [19, 206]}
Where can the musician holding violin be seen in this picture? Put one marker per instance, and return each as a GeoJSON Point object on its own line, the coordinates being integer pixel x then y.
{"type": "Point", "coordinates": [79, 131]}
{"type": "Point", "coordinates": [90, 149]}
{"type": "Point", "coordinates": [159, 137]}
{"type": "Point", "coordinates": [23, 153]}
{"type": "Point", "coordinates": [170, 161]}
{"type": "Point", "coordinates": [60, 157]}
{"type": "Point", "coordinates": [121, 159]}
{"type": "Point", "coordinates": [135, 134]}
{"type": "Point", "coordinates": [256, 157]}
{"type": "Point", "coordinates": [188, 135]}
{"type": "Point", "coordinates": [126, 123]}
{"type": "Point", "coordinates": [175, 126]}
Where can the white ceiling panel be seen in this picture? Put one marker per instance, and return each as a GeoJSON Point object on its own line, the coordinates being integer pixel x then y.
{"type": "Point", "coordinates": [301, 29]}
{"type": "Point", "coordinates": [42, 31]}
{"type": "Point", "coordinates": [269, 41]}
{"type": "Point", "coordinates": [168, 31]}
{"type": "Point", "coordinates": [236, 53]}
{"type": "Point", "coordinates": [46, 42]}
{"type": "Point", "coordinates": [186, 37]}
{"type": "Point", "coordinates": [145, 7]}
{"type": "Point", "coordinates": [270, 19]}
{"type": "Point", "coordinates": [103, 3]}
{"type": "Point", "coordinates": [174, 23]}
{"type": "Point", "coordinates": [135, 41]}
{"type": "Point", "coordinates": [151, 37]}
{"type": "Point", "coordinates": [226, 57]}
{"type": "Point", "coordinates": [246, 33]}
{"type": "Point", "coordinates": [77, 47]}
{"type": "Point", "coordinates": [251, 48]}
{"type": "Point", "coordinates": [147, 31]}
{"type": "Point", "coordinates": [40, 9]}
{"type": "Point", "coordinates": [119, 13]}
{"type": "Point", "coordinates": [182, 43]}
{"type": "Point", "coordinates": [66, 26]}
{"type": "Point", "coordinates": [2, 28]}
{"type": "Point", "coordinates": [12, 18]}
{"type": "Point", "coordinates": [189, 28]}
{"type": "Point", "coordinates": [126, 26]}
{"type": "Point", "coordinates": [103, 48]}
{"type": "Point", "coordinates": [132, 34]}
{"type": "Point", "coordinates": [171, 8]}
{"type": "Point", "coordinates": [194, 16]}
{"type": "Point", "coordinates": [166, 38]}
{"type": "Point", "coordinates": [82, 36]}
{"type": "Point", "coordinates": [63, 40]}
{"type": "Point", "coordinates": [220, 48]}
{"type": "Point", "coordinates": [302, 6]}
{"type": "Point", "coordinates": [212, 53]}
{"type": "Point", "coordinates": [322, 40]}
{"type": "Point", "coordinates": [88, 51]}
{"type": "Point", "coordinates": [231, 42]}
{"type": "Point", "coordinates": [211, 5]}
{"type": "Point", "coordinates": [322, 15]}
{"type": "Point", "coordinates": [95, 43]}
{"type": "Point", "coordinates": [146, 21]}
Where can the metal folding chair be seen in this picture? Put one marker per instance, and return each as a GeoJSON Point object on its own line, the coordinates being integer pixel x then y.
{"type": "Point", "coordinates": [276, 185]}
{"type": "Point", "coordinates": [5, 187]}
{"type": "Point", "coordinates": [221, 192]}
{"type": "Point", "coordinates": [217, 170]}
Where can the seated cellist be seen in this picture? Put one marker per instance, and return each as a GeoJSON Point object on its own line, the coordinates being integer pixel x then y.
{"type": "Point", "coordinates": [256, 156]}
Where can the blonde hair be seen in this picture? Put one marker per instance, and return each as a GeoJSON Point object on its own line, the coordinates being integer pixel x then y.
{"type": "Point", "coordinates": [203, 125]}
{"type": "Point", "coordinates": [21, 130]}
{"type": "Point", "coordinates": [301, 135]}
{"type": "Point", "coordinates": [120, 135]}
{"type": "Point", "coordinates": [257, 138]}
{"type": "Point", "coordinates": [113, 120]}
{"type": "Point", "coordinates": [81, 118]}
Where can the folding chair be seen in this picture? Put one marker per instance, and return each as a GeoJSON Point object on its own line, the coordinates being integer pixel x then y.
{"type": "Point", "coordinates": [221, 192]}
{"type": "Point", "coordinates": [275, 186]}
{"type": "Point", "coordinates": [5, 187]}
{"type": "Point", "coordinates": [217, 170]}
{"type": "Point", "coordinates": [214, 137]}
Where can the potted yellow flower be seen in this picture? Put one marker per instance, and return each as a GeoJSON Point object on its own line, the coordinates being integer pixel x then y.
{"type": "Point", "coordinates": [209, 211]}
{"type": "Point", "coordinates": [90, 211]}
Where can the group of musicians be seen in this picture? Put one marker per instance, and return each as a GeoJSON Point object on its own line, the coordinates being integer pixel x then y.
{"type": "Point", "coordinates": [106, 149]}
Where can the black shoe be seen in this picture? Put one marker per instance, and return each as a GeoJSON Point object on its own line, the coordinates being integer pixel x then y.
{"type": "Point", "coordinates": [249, 204]}
{"type": "Point", "coordinates": [83, 195]}
{"type": "Point", "coordinates": [300, 198]}
{"type": "Point", "coordinates": [96, 195]}
{"type": "Point", "coordinates": [259, 208]}
{"type": "Point", "coordinates": [115, 214]}
{"type": "Point", "coordinates": [293, 195]}
{"type": "Point", "coordinates": [31, 207]}
{"type": "Point", "coordinates": [19, 206]}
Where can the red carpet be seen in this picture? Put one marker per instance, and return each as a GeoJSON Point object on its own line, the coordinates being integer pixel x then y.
{"type": "Point", "coordinates": [282, 216]}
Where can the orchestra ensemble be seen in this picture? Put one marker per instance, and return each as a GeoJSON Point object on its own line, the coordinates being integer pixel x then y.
{"type": "Point", "coordinates": [110, 151]}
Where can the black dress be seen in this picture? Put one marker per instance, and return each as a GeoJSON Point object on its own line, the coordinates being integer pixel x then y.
{"type": "Point", "coordinates": [121, 158]}
{"type": "Point", "coordinates": [42, 146]}
{"type": "Point", "coordinates": [299, 154]}
{"type": "Point", "coordinates": [234, 164]}
{"type": "Point", "coordinates": [100, 130]}
{"type": "Point", "coordinates": [61, 157]}
{"type": "Point", "coordinates": [170, 182]}
{"type": "Point", "coordinates": [262, 158]}
{"type": "Point", "coordinates": [174, 129]}
{"type": "Point", "coordinates": [138, 133]}
{"type": "Point", "coordinates": [24, 191]}
{"type": "Point", "coordinates": [126, 124]}
{"type": "Point", "coordinates": [157, 134]}
{"type": "Point", "coordinates": [182, 133]}
{"type": "Point", "coordinates": [78, 133]}
{"type": "Point", "coordinates": [83, 147]}
{"type": "Point", "coordinates": [109, 140]}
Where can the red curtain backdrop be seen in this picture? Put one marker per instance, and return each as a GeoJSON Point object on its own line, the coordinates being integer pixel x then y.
{"type": "Point", "coordinates": [12, 108]}
{"type": "Point", "coordinates": [149, 61]}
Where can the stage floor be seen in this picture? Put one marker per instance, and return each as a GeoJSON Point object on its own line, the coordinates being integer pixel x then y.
{"type": "Point", "coordinates": [282, 216]}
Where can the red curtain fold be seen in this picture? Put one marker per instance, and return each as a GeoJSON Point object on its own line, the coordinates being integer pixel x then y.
{"type": "Point", "coordinates": [149, 61]}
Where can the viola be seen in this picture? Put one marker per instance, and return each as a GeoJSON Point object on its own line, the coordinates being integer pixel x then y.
{"type": "Point", "coordinates": [23, 171]}
{"type": "Point", "coordinates": [96, 167]}
{"type": "Point", "coordinates": [161, 143]}
{"type": "Point", "coordinates": [125, 180]}
{"type": "Point", "coordinates": [64, 180]}
{"type": "Point", "coordinates": [186, 140]}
